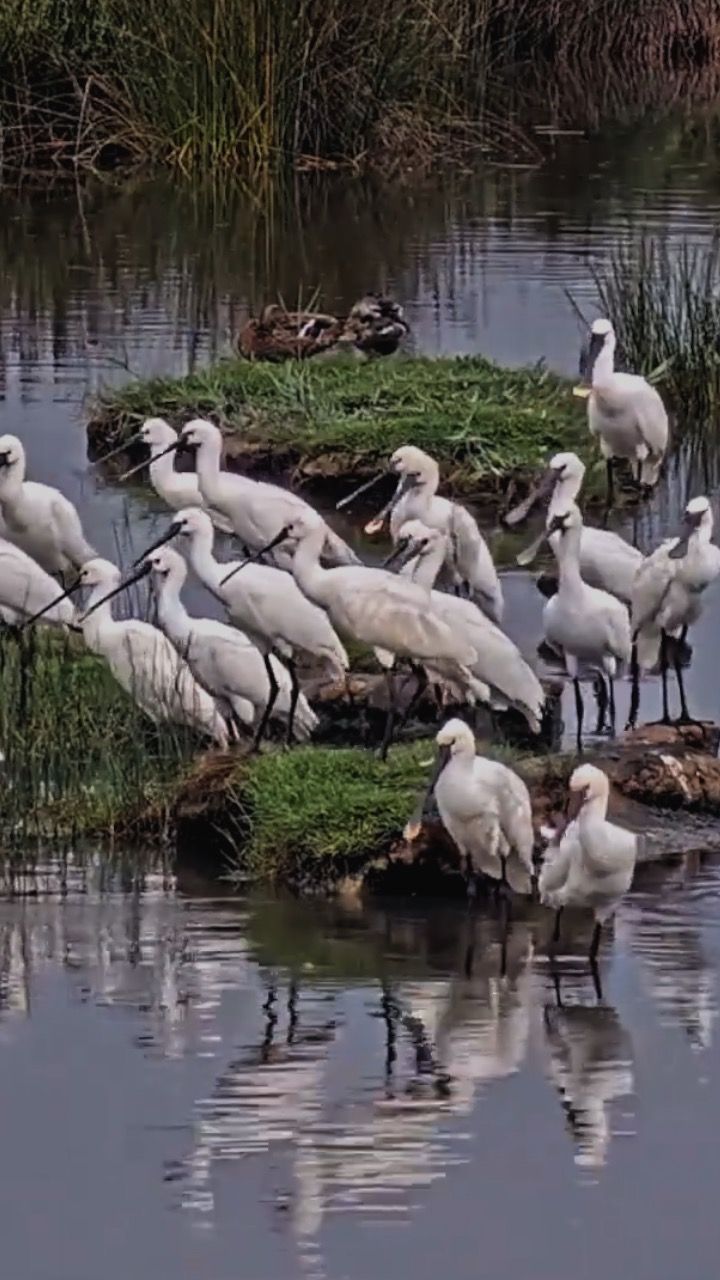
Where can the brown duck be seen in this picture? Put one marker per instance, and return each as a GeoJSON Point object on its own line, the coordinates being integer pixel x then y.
{"type": "Point", "coordinates": [374, 326]}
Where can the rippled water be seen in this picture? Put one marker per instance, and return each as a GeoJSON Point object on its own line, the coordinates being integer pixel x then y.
{"type": "Point", "coordinates": [204, 1086]}
{"type": "Point", "coordinates": [207, 1086]}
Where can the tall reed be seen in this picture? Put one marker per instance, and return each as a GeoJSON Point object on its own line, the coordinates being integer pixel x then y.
{"type": "Point", "coordinates": [241, 83]}
{"type": "Point", "coordinates": [664, 301]}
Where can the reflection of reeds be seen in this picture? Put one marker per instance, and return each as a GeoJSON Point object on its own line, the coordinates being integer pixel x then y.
{"type": "Point", "coordinates": [78, 755]}
{"type": "Point", "coordinates": [665, 305]}
{"type": "Point", "coordinates": [239, 83]}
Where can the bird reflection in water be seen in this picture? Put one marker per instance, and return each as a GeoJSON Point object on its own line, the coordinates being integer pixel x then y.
{"type": "Point", "coordinates": [590, 1062]}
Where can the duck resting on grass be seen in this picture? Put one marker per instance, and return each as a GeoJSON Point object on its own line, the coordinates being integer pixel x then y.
{"type": "Point", "coordinates": [375, 325]}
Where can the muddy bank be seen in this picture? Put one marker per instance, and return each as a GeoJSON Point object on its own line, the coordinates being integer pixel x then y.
{"type": "Point", "coordinates": [326, 426]}
{"type": "Point", "coordinates": [330, 820]}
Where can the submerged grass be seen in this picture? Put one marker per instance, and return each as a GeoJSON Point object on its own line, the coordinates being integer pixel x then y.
{"type": "Point", "coordinates": [352, 416]}
{"type": "Point", "coordinates": [664, 300]}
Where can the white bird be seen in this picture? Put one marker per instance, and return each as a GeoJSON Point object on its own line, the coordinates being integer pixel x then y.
{"type": "Point", "coordinates": [469, 564]}
{"type": "Point", "coordinates": [256, 511]}
{"type": "Point", "coordinates": [590, 862]}
{"type": "Point", "coordinates": [624, 411]}
{"type": "Point", "coordinates": [26, 589]}
{"type": "Point", "coordinates": [39, 519]}
{"type": "Point", "coordinates": [485, 808]}
{"type": "Point", "coordinates": [668, 591]}
{"type": "Point", "coordinates": [590, 628]}
{"type": "Point", "coordinates": [392, 615]}
{"type": "Point", "coordinates": [265, 603]}
{"type": "Point", "coordinates": [499, 663]}
{"type": "Point", "coordinates": [178, 489]}
{"type": "Point", "coordinates": [222, 658]}
{"type": "Point", "coordinates": [607, 561]}
{"type": "Point", "coordinates": [143, 660]}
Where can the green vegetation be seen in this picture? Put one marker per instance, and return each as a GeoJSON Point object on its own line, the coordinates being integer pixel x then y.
{"type": "Point", "coordinates": [242, 83]}
{"type": "Point", "coordinates": [342, 417]}
{"type": "Point", "coordinates": [663, 300]}
{"type": "Point", "coordinates": [78, 756]}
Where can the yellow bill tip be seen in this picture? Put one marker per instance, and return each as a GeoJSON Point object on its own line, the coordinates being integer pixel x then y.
{"type": "Point", "coordinates": [412, 829]}
{"type": "Point", "coordinates": [581, 392]}
{"type": "Point", "coordinates": [374, 526]}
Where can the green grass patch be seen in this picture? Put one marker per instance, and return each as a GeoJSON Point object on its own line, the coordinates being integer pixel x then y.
{"type": "Point", "coordinates": [351, 416]}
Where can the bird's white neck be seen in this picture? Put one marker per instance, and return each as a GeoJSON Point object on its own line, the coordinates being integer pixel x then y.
{"type": "Point", "coordinates": [309, 574]}
{"type": "Point", "coordinates": [425, 568]}
{"type": "Point", "coordinates": [100, 619]}
{"type": "Point", "coordinates": [207, 465]}
{"type": "Point", "coordinates": [594, 810]}
{"type": "Point", "coordinates": [162, 465]}
{"type": "Point", "coordinates": [203, 562]}
{"type": "Point", "coordinates": [567, 552]}
{"type": "Point", "coordinates": [604, 366]}
{"type": "Point", "coordinates": [565, 491]}
{"type": "Point", "coordinates": [11, 480]}
{"type": "Point", "coordinates": [172, 615]}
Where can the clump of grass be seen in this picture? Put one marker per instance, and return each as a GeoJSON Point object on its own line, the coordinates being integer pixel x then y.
{"type": "Point", "coordinates": [78, 755]}
{"type": "Point", "coordinates": [352, 416]}
{"type": "Point", "coordinates": [664, 302]}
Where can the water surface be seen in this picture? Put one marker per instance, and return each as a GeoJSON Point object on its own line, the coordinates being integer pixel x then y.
{"type": "Point", "coordinates": [267, 1090]}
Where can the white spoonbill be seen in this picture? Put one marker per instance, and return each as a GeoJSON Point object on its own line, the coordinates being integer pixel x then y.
{"type": "Point", "coordinates": [394, 616]}
{"type": "Point", "coordinates": [590, 628]}
{"type": "Point", "coordinates": [668, 592]}
{"type": "Point", "coordinates": [142, 659]}
{"type": "Point", "coordinates": [499, 662]}
{"type": "Point", "coordinates": [222, 658]}
{"type": "Point", "coordinates": [607, 561]}
{"type": "Point", "coordinates": [265, 603]}
{"type": "Point", "coordinates": [178, 489]}
{"type": "Point", "coordinates": [26, 589]}
{"type": "Point", "coordinates": [256, 511]}
{"type": "Point", "coordinates": [589, 862]}
{"type": "Point", "coordinates": [469, 564]}
{"type": "Point", "coordinates": [624, 411]}
{"type": "Point", "coordinates": [39, 519]}
{"type": "Point", "coordinates": [484, 806]}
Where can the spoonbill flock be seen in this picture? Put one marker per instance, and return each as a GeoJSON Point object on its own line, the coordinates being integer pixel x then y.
{"type": "Point", "coordinates": [298, 593]}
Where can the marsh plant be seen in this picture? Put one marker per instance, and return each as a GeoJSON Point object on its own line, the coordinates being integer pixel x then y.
{"type": "Point", "coordinates": [77, 755]}
{"type": "Point", "coordinates": [664, 300]}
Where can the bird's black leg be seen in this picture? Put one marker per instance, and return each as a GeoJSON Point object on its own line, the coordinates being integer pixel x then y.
{"type": "Point", "coordinates": [602, 701]}
{"type": "Point", "coordinates": [596, 980]}
{"type": "Point", "coordinates": [294, 695]}
{"type": "Point", "coordinates": [610, 496]}
{"type": "Point", "coordinates": [685, 717]}
{"type": "Point", "coordinates": [274, 690]}
{"type": "Point", "coordinates": [555, 935]}
{"type": "Point", "coordinates": [390, 720]}
{"type": "Point", "coordinates": [664, 678]}
{"type": "Point", "coordinates": [634, 689]}
{"type": "Point", "coordinates": [421, 685]}
{"type": "Point", "coordinates": [611, 686]}
{"type": "Point", "coordinates": [595, 943]}
{"type": "Point", "coordinates": [579, 711]}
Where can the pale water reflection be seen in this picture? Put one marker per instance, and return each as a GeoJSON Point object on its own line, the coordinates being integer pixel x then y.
{"type": "Point", "coordinates": [243, 1079]}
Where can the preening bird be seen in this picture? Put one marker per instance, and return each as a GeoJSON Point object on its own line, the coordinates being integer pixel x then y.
{"type": "Point", "coordinates": [469, 565]}
{"type": "Point", "coordinates": [485, 808]}
{"type": "Point", "coordinates": [589, 861]}
{"type": "Point", "coordinates": [624, 411]}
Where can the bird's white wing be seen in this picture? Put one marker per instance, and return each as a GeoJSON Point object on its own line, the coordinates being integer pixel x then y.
{"type": "Point", "coordinates": [67, 523]}
{"type": "Point", "coordinates": [651, 585]}
{"type": "Point", "coordinates": [394, 620]}
{"type": "Point", "coordinates": [27, 588]}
